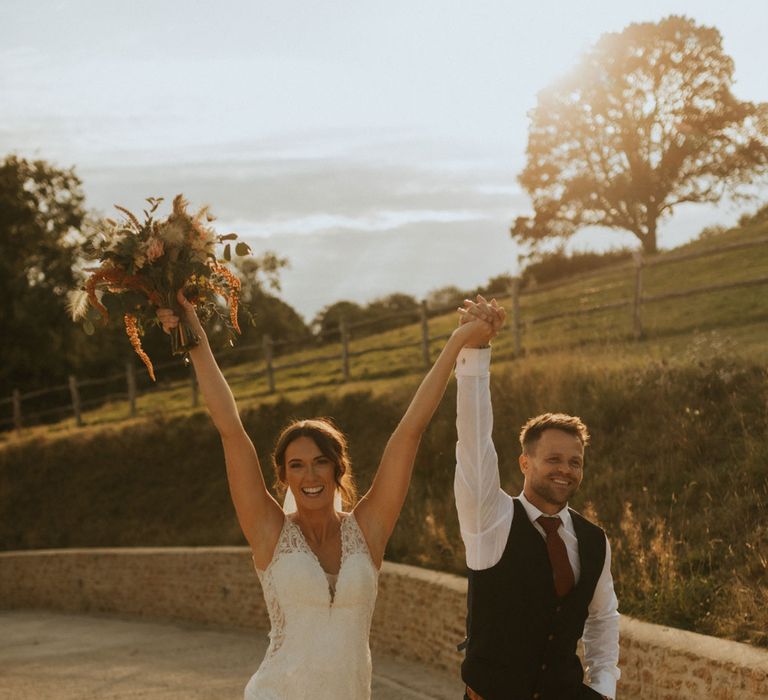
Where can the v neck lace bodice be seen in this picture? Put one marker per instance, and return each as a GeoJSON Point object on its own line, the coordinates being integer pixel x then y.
{"type": "Point", "coordinates": [319, 638]}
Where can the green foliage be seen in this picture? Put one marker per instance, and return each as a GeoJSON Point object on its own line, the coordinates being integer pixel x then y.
{"type": "Point", "coordinates": [757, 218]}
{"type": "Point", "coordinates": [391, 311]}
{"type": "Point", "coordinates": [270, 315]}
{"type": "Point", "coordinates": [495, 287]}
{"type": "Point", "coordinates": [447, 297]}
{"type": "Point", "coordinates": [41, 212]}
{"type": "Point", "coordinates": [644, 122]}
{"type": "Point", "coordinates": [326, 322]}
{"type": "Point", "coordinates": [557, 265]}
{"type": "Point", "coordinates": [381, 314]}
{"type": "Point", "coordinates": [262, 311]}
{"type": "Point", "coordinates": [45, 237]}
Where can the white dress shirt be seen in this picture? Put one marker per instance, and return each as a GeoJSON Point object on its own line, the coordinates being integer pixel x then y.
{"type": "Point", "coordinates": [486, 512]}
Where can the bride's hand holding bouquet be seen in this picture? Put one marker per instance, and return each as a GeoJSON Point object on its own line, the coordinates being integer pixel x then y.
{"type": "Point", "coordinates": [146, 265]}
{"type": "Point", "coordinates": [170, 320]}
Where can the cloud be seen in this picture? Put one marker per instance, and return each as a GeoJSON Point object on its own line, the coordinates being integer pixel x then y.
{"type": "Point", "coordinates": [301, 194]}
{"type": "Point", "coordinates": [414, 258]}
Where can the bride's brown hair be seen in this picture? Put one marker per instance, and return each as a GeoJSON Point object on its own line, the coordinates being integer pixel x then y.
{"type": "Point", "coordinates": [330, 441]}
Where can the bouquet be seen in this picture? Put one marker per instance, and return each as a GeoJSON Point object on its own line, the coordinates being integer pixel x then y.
{"type": "Point", "coordinates": [144, 264]}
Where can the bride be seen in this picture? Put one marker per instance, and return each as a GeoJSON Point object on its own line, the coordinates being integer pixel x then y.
{"type": "Point", "coordinates": [318, 565]}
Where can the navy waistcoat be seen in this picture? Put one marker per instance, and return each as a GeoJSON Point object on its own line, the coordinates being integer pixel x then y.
{"type": "Point", "coordinates": [521, 638]}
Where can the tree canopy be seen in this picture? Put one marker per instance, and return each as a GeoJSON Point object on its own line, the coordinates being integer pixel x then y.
{"type": "Point", "coordinates": [44, 231]}
{"type": "Point", "coordinates": [326, 321]}
{"type": "Point", "coordinates": [41, 212]}
{"type": "Point", "coordinates": [646, 121]}
{"type": "Point", "coordinates": [390, 311]}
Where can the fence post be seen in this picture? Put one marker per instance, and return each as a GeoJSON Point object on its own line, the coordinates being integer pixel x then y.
{"type": "Point", "coordinates": [194, 385]}
{"type": "Point", "coordinates": [425, 334]}
{"type": "Point", "coordinates": [267, 345]}
{"type": "Point", "coordinates": [75, 394]}
{"type": "Point", "coordinates": [17, 423]}
{"type": "Point", "coordinates": [517, 322]}
{"type": "Point", "coordinates": [344, 349]}
{"type": "Point", "coordinates": [130, 378]}
{"type": "Point", "coordinates": [637, 321]}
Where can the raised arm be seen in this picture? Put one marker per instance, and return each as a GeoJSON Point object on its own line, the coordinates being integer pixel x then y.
{"type": "Point", "coordinates": [259, 515]}
{"type": "Point", "coordinates": [378, 510]}
{"type": "Point", "coordinates": [484, 509]}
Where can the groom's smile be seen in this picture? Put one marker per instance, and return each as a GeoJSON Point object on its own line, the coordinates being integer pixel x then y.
{"type": "Point", "coordinates": [552, 469]}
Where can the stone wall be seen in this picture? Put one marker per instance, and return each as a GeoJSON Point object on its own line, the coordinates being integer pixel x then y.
{"type": "Point", "coordinates": [419, 613]}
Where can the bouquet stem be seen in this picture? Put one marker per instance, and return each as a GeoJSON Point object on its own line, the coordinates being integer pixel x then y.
{"type": "Point", "coordinates": [183, 338]}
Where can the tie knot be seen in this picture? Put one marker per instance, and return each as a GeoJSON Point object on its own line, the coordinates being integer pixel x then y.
{"type": "Point", "coordinates": [550, 525]}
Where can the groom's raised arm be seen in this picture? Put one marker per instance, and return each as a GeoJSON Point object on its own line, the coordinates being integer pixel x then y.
{"type": "Point", "coordinates": [485, 511]}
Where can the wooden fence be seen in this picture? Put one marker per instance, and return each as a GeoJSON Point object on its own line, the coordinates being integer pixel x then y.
{"type": "Point", "coordinates": [345, 356]}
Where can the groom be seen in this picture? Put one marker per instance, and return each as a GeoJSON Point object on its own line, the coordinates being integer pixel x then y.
{"type": "Point", "coordinates": [539, 573]}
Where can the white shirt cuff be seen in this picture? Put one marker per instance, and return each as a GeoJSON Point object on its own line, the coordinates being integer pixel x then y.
{"type": "Point", "coordinates": [605, 684]}
{"type": "Point", "coordinates": [473, 362]}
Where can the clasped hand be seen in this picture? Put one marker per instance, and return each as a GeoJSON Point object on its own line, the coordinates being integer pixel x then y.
{"type": "Point", "coordinates": [486, 319]}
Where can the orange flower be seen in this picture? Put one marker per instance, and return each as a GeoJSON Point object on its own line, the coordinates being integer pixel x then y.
{"type": "Point", "coordinates": [132, 329]}
{"type": "Point", "coordinates": [234, 293]}
{"type": "Point", "coordinates": [117, 280]}
{"type": "Point", "coordinates": [111, 275]}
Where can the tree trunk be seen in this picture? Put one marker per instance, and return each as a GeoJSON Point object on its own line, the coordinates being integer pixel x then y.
{"type": "Point", "coordinates": [649, 239]}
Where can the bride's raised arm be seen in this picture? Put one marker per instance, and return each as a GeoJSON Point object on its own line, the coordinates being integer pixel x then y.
{"type": "Point", "coordinates": [378, 510]}
{"type": "Point", "coordinates": [259, 515]}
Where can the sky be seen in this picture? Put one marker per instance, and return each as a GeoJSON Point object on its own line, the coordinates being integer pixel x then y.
{"type": "Point", "coordinates": [374, 144]}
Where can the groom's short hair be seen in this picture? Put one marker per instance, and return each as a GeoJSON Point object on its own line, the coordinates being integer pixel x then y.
{"type": "Point", "coordinates": [534, 427]}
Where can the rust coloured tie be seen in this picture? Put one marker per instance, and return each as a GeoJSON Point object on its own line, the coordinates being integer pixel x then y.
{"type": "Point", "coordinates": [558, 556]}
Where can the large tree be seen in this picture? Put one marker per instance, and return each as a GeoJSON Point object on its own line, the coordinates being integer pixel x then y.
{"type": "Point", "coordinates": [41, 212]}
{"type": "Point", "coordinates": [644, 122]}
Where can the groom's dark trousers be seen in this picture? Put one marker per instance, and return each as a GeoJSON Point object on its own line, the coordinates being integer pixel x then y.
{"type": "Point", "coordinates": [521, 637]}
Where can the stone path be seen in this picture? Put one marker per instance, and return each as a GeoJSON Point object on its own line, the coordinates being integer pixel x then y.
{"type": "Point", "coordinates": [53, 656]}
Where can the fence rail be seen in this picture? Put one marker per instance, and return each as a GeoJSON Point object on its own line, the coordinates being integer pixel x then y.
{"type": "Point", "coordinates": [346, 354]}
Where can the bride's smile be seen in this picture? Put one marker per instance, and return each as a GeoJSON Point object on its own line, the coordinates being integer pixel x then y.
{"type": "Point", "coordinates": [310, 474]}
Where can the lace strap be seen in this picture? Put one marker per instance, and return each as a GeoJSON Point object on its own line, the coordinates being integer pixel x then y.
{"type": "Point", "coordinates": [291, 539]}
{"type": "Point", "coordinates": [352, 538]}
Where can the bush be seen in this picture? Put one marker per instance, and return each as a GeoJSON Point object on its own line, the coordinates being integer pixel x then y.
{"type": "Point", "coordinates": [709, 232]}
{"type": "Point", "coordinates": [549, 267]}
{"type": "Point", "coordinates": [758, 217]}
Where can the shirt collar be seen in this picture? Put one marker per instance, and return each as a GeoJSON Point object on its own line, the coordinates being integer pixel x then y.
{"type": "Point", "coordinates": [534, 513]}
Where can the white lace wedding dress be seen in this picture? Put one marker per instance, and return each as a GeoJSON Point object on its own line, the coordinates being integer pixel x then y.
{"type": "Point", "coordinates": [318, 645]}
